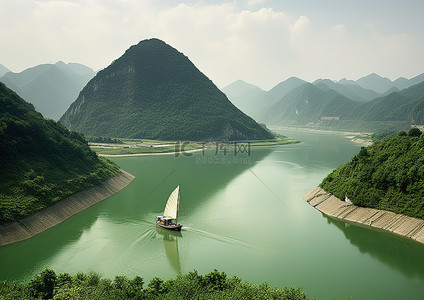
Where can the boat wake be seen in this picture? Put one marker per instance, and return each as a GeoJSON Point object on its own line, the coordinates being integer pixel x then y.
{"type": "Point", "coordinates": [221, 238]}
{"type": "Point", "coordinates": [149, 234]}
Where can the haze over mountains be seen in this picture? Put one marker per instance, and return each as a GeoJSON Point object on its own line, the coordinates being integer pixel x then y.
{"type": "Point", "coordinates": [162, 95]}
{"type": "Point", "coordinates": [3, 70]}
{"type": "Point", "coordinates": [51, 88]}
{"type": "Point", "coordinates": [254, 101]}
{"type": "Point", "coordinates": [370, 103]}
{"type": "Point", "coordinates": [153, 91]}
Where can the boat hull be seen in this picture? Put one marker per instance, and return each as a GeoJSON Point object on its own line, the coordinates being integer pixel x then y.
{"type": "Point", "coordinates": [175, 227]}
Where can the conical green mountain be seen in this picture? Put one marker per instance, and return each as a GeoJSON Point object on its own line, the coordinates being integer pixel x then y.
{"type": "Point", "coordinates": [41, 161]}
{"type": "Point", "coordinates": [153, 91]}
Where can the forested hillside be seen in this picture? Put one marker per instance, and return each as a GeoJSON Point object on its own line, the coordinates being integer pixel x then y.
{"type": "Point", "coordinates": [153, 91]}
{"type": "Point", "coordinates": [407, 106]}
{"type": "Point", "coordinates": [388, 175]}
{"type": "Point", "coordinates": [41, 161]}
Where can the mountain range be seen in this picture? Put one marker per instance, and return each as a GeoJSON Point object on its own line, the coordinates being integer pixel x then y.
{"type": "Point", "coordinates": [154, 91]}
{"type": "Point", "coordinates": [254, 101]}
{"type": "Point", "coordinates": [351, 91]}
{"type": "Point", "coordinates": [51, 88]}
{"type": "Point", "coordinates": [345, 104]}
{"type": "Point", "coordinates": [383, 85]}
{"type": "Point", "coordinates": [3, 70]}
{"type": "Point", "coordinates": [306, 104]}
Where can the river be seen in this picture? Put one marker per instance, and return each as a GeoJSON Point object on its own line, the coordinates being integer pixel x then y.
{"type": "Point", "coordinates": [243, 213]}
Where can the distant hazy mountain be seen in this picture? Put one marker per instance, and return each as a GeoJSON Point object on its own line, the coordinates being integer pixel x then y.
{"type": "Point", "coordinates": [279, 91]}
{"type": "Point", "coordinates": [343, 104]}
{"type": "Point", "coordinates": [347, 81]}
{"type": "Point", "coordinates": [375, 82]}
{"type": "Point", "coordinates": [3, 70]}
{"type": "Point", "coordinates": [349, 90]}
{"type": "Point", "coordinates": [383, 86]}
{"type": "Point", "coordinates": [308, 104]}
{"type": "Point", "coordinates": [51, 88]}
{"type": "Point", "coordinates": [389, 91]}
{"type": "Point", "coordinates": [405, 106]}
{"type": "Point", "coordinates": [154, 91]}
{"type": "Point", "coordinates": [245, 96]}
{"type": "Point", "coordinates": [403, 83]}
{"type": "Point", "coordinates": [410, 82]}
{"type": "Point", "coordinates": [258, 102]}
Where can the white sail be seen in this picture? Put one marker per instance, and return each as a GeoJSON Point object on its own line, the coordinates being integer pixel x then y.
{"type": "Point", "coordinates": [171, 208]}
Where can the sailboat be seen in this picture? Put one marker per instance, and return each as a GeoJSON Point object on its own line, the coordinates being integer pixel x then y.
{"type": "Point", "coordinates": [170, 215]}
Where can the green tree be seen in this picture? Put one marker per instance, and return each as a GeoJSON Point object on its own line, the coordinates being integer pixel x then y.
{"type": "Point", "coordinates": [157, 286]}
{"type": "Point", "coordinates": [43, 284]}
{"type": "Point", "coordinates": [414, 131]}
{"type": "Point", "coordinates": [216, 280]}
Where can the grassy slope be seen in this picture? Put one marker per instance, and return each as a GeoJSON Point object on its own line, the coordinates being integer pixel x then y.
{"type": "Point", "coordinates": [41, 161]}
{"type": "Point", "coordinates": [388, 175]}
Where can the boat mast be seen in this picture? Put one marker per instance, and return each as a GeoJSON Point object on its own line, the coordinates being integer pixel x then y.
{"type": "Point", "coordinates": [178, 204]}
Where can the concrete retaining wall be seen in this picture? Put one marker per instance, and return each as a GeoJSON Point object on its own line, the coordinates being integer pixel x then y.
{"type": "Point", "coordinates": [396, 223]}
{"type": "Point", "coordinates": [59, 212]}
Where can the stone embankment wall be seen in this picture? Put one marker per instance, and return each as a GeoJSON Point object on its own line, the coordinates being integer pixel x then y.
{"type": "Point", "coordinates": [59, 212]}
{"type": "Point", "coordinates": [332, 206]}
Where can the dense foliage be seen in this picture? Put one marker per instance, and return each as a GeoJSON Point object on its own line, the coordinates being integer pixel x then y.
{"type": "Point", "coordinates": [41, 161]}
{"type": "Point", "coordinates": [388, 175]}
{"type": "Point", "coordinates": [153, 91]}
{"type": "Point", "coordinates": [214, 285]}
{"type": "Point", "coordinates": [381, 135]}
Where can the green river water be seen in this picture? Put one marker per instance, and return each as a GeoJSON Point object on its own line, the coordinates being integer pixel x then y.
{"type": "Point", "coordinates": [243, 214]}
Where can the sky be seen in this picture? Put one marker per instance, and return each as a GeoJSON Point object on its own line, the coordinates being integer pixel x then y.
{"type": "Point", "coordinates": [262, 42]}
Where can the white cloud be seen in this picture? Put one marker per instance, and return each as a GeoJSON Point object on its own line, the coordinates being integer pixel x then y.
{"type": "Point", "coordinates": [262, 46]}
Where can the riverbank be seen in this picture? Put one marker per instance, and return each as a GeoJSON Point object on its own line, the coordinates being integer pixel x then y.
{"type": "Point", "coordinates": [124, 150]}
{"type": "Point", "coordinates": [396, 223]}
{"type": "Point", "coordinates": [144, 154]}
{"type": "Point", "coordinates": [317, 130]}
{"type": "Point", "coordinates": [51, 216]}
{"type": "Point", "coordinates": [362, 138]}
